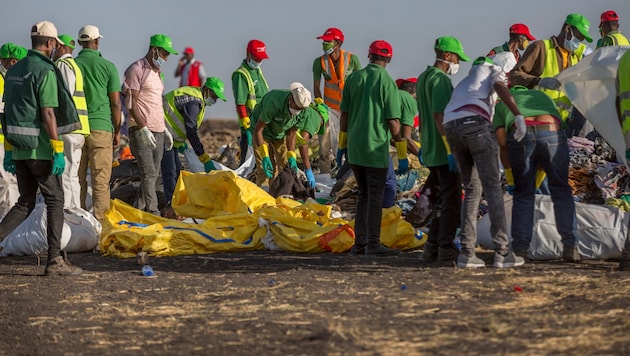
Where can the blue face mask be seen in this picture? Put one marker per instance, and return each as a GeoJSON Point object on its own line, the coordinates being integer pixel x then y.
{"type": "Point", "coordinates": [159, 61]}
{"type": "Point", "coordinates": [253, 64]}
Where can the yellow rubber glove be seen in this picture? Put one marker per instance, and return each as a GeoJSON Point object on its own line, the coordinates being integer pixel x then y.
{"type": "Point", "coordinates": [319, 101]}
{"type": "Point", "coordinates": [266, 162]}
{"type": "Point", "coordinates": [401, 149]}
{"type": "Point", "coordinates": [244, 122]}
{"type": "Point", "coordinates": [343, 140]}
{"type": "Point", "coordinates": [204, 157]}
{"type": "Point", "coordinates": [417, 144]}
{"type": "Point", "coordinates": [7, 146]}
{"type": "Point", "coordinates": [452, 165]}
{"type": "Point", "coordinates": [509, 177]}
{"type": "Point", "coordinates": [292, 159]}
{"type": "Point", "coordinates": [446, 145]}
{"type": "Point", "coordinates": [540, 177]}
{"type": "Point", "coordinates": [59, 160]}
{"type": "Point", "coordinates": [57, 146]}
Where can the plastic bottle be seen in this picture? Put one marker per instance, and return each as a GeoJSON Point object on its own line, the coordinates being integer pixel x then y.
{"type": "Point", "coordinates": [147, 271]}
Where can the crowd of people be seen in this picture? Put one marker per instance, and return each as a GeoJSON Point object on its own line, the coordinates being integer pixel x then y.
{"type": "Point", "coordinates": [63, 114]}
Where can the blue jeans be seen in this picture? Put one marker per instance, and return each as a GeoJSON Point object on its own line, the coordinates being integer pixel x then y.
{"type": "Point", "coordinates": [548, 149]}
{"type": "Point", "coordinates": [391, 185]}
{"type": "Point", "coordinates": [476, 151]}
{"type": "Point", "coordinates": [171, 166]}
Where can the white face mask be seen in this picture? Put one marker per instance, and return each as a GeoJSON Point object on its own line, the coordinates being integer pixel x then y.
{"type": "Point", "coordinates": [253, 64]}
{"type": "Point", "coordinates": [453, 68]}
{"type": "Point", "coordinates": [573, 44]}
{"type": "Point", "coordinates": [159, 61]}
{"type": "Point", "coordinates": [210, 101]}
{"type": "Point", "coordinates": [294, 111]}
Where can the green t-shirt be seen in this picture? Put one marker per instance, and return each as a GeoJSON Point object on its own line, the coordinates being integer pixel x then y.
{"type": "Point", "coordinates": [433, 92]}
{"type": "Point", "coordinates": [309, 121]}
{"type": "Point", "coordinates": [370, 97]}
{"type": "Point", "coordinates": [408, 108]}
{"type": "Point", "coordinates": [318, 71]}
{"type": "Point", "coordinates": [240, 88]}
{"type": "Point", "coordinates": [273, 110]}
{"type": "Point", "coordinates": [100, 78]}
{"type": "Point", "coordinates": [47, 98]}
{"type": "Point", "coordinates": [530, 103]}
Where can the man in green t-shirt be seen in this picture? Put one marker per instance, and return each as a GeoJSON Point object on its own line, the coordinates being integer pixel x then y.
{"type": "Point", "coordinates": [102, 93]}
{"type": "Point", "coordinates": [609, 29]}
{"type": "Point", "coordinates": [38, 108]}
{"type": "Point", "coordinates": [370, 111]}
{"type": "Point", "coordinates": [433, 92]}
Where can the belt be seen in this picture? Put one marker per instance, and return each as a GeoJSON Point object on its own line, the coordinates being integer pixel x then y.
{"type": "Point", "coordinates": [467, 120]}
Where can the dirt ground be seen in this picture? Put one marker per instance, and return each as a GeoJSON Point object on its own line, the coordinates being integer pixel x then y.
{"type": "Point", "coordinates": [273, 303]}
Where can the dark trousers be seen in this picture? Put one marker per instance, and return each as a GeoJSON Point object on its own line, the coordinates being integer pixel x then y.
{"type": "Point", "coordinates": [367, 221]}
{"type": "Point", "coordinates": [171, 166]}
{"type": "Point", "coordinates": [447, 212]}
{"type": "Point", "coordinates": [33, 174]}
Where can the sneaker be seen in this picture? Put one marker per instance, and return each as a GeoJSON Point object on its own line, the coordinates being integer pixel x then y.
{"type": "Point", "coordinates": [473, 261]}
{"type": "Point", "coordinates": [522, 253]}
{"type": "Point", "coordinates": [509, 260]}
{"type": "Point", "coordinates": [380, 250]}
{"type": "Point", "coordinates": [570, 254]}
{"type": "Point", "coordinates": [357, 250]}
{"type": "Point", "coordinates": [624, 261]}
{"type": "Point", "coordinates": [447, 255]}
{"type": "Point", "coordinates": [60, 266]}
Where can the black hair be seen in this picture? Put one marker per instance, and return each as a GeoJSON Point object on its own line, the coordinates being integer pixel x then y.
{"type": "Point", "coordinates": [409, 87]}
{"type": "Point", "coordinates": [39, 41]}
{"type": "Point", "coordinates": [376, 57]}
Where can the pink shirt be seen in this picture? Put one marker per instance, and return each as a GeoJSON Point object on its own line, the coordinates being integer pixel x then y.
{"type": "Point", "coordinates": [140, 76]}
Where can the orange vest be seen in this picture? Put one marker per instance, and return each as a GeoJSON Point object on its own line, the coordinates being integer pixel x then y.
{"type": "Point", "coordinates": [334, 85]}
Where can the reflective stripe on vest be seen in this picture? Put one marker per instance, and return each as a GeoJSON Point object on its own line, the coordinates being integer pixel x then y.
{"type": "Point", "coordinates": [333, 87]}
{"type": "Point", "coordinates": [79, 97]}
{"type": "Point", "coordinates": [175, 122]}
{"type": "Point", "coordinates": [551, 69]}
{"type": "Point", "coordinates": [618, 39]}
{"type": "Point", "coordinates": [623, 81]}
{"type": "Point", "coordinates": [251, 95]}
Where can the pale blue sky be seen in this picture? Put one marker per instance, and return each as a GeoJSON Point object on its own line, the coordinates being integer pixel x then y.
{"type": "Point", "coordinates": [220, 30]}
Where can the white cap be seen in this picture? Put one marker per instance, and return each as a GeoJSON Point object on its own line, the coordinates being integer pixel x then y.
{"type": "Point", "coordinates": [88, 33]}
{"type": "Point", "coordinates": [301, 95]}
{"type": "Point", "coordinates": [45, 29]}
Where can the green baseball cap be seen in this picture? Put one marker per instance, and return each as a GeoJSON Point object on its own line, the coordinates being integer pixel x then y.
{"type": "Point", "coordinates": [452, 45]}
{"type": "Point", "coordinates": [581, 23]}
{"type": "Point", "coordinates": [216, 85]}
{"type": "Point", "coordinates": [67, 40]}
{"type": "Point", "coordinates": [482, 60]}
{"type": "Point", "coordinates": [164, 42]}
{"type": "Point", "coordinates": [11, 50]}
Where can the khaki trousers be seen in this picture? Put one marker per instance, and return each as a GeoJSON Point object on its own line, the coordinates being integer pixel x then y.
{"type": "Point", "coordinates": [98, 154]}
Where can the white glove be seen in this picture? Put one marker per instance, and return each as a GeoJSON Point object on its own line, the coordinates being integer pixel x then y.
{"type": "Point", "coordinates": [549, 83]}
{"type": "Point", "coordinates": [168, 140]}
{"type": "Point", "coordinates": [521, 128]}
{"type": "Point", "coordinates": [147, 137]}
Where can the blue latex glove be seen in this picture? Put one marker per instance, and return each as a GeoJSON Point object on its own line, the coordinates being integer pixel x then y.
{"type": "Point", "coordinates": [59, 163]}
{"type": "Point", "coordinates": [8, 163]}
{"type": "Point", "coordinates": [403, 166]}
{"type": "Point", "coordinates": [310, 177]}
{"type": "Point", "coordinates": [183, 147]}
{"type": "Point", "coordinates": [341, 152]}
{"type": "Point", "coordinates": [510, 189]}
{"type": "Point", "coordinates": [292, 163]}
{"type": "Point", "coordinates": [209, 166]}
{"type": "Point", "coordinates": [452, 165]}
{"type": "Point", "coordinates": [267, 167]}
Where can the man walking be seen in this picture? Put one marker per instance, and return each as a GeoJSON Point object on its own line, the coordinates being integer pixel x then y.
{"type": "Point", "coordinates": [190, 70]}
{"type": "Point", "coordinates": [370, 111]}
{"type": "Point", "coordinates": [146, 125]}
{"type": "Point", "coordinates": [38, 107]}
{"type": "Point", "coordinates": [102, 93]}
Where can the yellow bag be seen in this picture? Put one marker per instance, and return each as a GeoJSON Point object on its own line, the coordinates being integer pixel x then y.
{"type": "Point", "coordinates": [396, 232]}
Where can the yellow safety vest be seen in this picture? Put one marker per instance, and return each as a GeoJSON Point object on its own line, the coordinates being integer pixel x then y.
{"type": "Point", "coordinates": [618, 39]}
{"type": "Point", "coordinates": [175, 122]}
{"type": "Point", "coordinates": [251, 95]}
{"type": "Point", "coordinates": [79, 96]}
{"type": "Point", "coordinates": [623, 80]}
{"type": "Point", "coordinates": [1, 105]}
{"type": "Point", "coordinates": [333, 87]}
{"type": "Point", "coordinates": [551, 69]}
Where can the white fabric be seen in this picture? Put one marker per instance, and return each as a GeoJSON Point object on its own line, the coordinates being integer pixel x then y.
{"type": "Point", "coordinates": [590, 85]}
{"type": "Point", "coordinates": [334, 120]}
{"type": "Point", "coordinates": [72, 150]}
{"type": "Point", "coordinates": [601, 230]}
{"type": "Point", "coordinates": [9, 193]}
{"type": "Point", "coordinates": [67, 73]}
{"type": "Point", "coordinates": [505, 60]}
{"type": "Point", "coordinates": [477, 88]}
{"type": "Point", "coordinates": [195, 165]}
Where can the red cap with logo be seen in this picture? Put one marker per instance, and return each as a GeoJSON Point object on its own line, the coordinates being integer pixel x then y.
{"type": "Point", "coordinates": [521, 29]}
{"type": "Point", "coordinates": [381, 48]}
{"type": "Point", "coordinates": [400, 81]}
{"type": "Point", "coordinates": [332, 34]}
{"type": "Point", "coordinates": [609, 15]}
{"type": "Point", "coordinates": [257, 49]}
{"type": "Point", "coordinates": [189, 50]}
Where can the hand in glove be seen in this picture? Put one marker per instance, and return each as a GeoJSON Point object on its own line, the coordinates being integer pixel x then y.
{"type": "Point", "coordinates": [292, 160]}
{"type": "Point", "coordinates": [208, 165]}
{"type": "Point", "coordinates": [245, 122]}
{"type": "Point", "coordinates": [310, 177]}
{"type": "Point", "coordinates": [521, 128]}
{"type": "Point", "coordinates": [147, 137]}
{"type": "Point", "coordinates": [549, 83]}
{"type": "Point", "coordinates": [342, 148]}
{"type": "Point", "coordinates": [266, 162]}
{"type": "Point", "coordinates": [8, 163]}
{"type": "Point", "coordinates": [401, 151]}
{"type": "Point", "coordinates": [168, 140]}
{"type": "Point", "coordinates": [452, 165]}
{"type": "Point", "coordinates": [59, 159]}
{"type": "Point", "coordinates": [183, 147]}
{"type": "Point", "coordinates": [509, 180]}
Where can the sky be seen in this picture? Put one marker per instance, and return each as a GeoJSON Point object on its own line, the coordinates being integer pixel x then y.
{"type": "Point", "coordinates": [219, 30]}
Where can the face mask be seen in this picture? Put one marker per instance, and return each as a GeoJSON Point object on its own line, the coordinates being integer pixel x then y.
{"type": "Point", "coordinates": [294, 111]}
{"type": "Point", "coordinates": [573, 44]}
{"type": "Point", "coordinates": [210, 101]}
{"type": "Point", "coordinates": [157, 60]}
{"type": "Point", "coordinates": [328, 47]}
{"type": "Point", "coordinates": [525, 44]}
{"type": "Point", "coordinates": [453, 68]}
{"type": "Point", "coordinates": [253, 64]}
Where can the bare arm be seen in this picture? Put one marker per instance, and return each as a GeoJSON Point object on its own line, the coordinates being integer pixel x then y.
{"type": "Point", "coordinates": [316, 88]}
{"type": "Point", "coordinates": [290, 139]}
{"type": "Point", "coordinates": [343, 121]}
{"type": "Point", "coordinates": [394, 128]}
{"type": "Point", "coordinates": [304, 150]}
{"type": "Point", "coordinates": [438, 117]}
{"type": "Point", "coordinates": [50, 122]}
{"type": "Point", "coordinates": [406, 134]}
{"type": "Point", "coordinates": [116, 107]}
{"type": "Point", "coordinates": [258, 133]}
{"type": "Point", "coordinates": [502, 141]}
{"type": "Point", "coordinates": [180, 67]}
{"type": "Point", "coordinates": [133, 111]}
{"type": "Point", "coordinates": [506, 97]}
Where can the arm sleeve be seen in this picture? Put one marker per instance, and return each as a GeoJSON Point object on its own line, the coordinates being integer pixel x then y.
{"type": "Point", "coordinates": [47, 93]}
{"type": "Point", "coordinates": [530, 67]}
{"type": "Point", "coordinates": [317, 69]}
{"type": "Point", "coordinates": [133, 77]}
{"type": "Point", "coordinates": [190, 111]}
{"type": "Point", "coordinates": [114, 81]}
{"type": "Point", "coordinates": [239, 88]}
{"type": "Point", "coordinates": [442, 91]}
{"type": "Point", "coordinates": [202, 74]}
{"type": "Point", "coordinates": [355, 63]}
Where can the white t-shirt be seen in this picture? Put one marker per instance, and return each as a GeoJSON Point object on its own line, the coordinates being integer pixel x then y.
{"type": "Point", "coordinates": [477, 89]}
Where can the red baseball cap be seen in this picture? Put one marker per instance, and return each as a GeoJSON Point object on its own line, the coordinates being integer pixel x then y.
{"type": "Point", "coordinates": [402, 80]}
{"type": "Point", "coordinates": [189, 50]}
{"type": "Point", "coordinates": [257, 49]}
{"type": "Point", "coordinates": [521, 29]}
{"type": "Point", "coordinates": [609, 15]}
{"type": "Point", "coordinates": [381, 48]}
{"type": "Point", "coordinates": [332, 34]}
